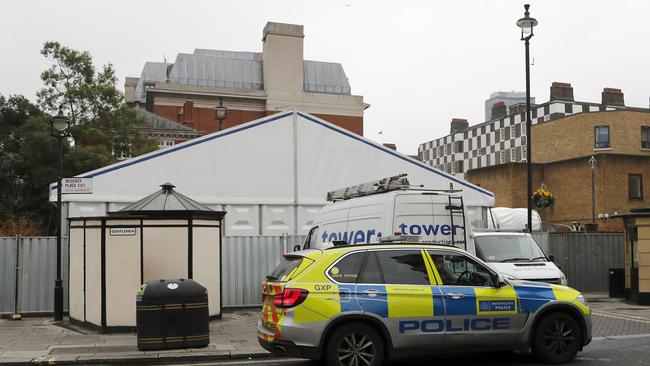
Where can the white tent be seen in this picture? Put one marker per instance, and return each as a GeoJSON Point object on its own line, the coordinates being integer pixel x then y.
{"type": "Point", "coordinates": [271, 175]}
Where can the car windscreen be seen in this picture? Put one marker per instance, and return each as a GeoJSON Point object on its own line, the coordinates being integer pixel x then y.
{"type": "Point", "coordinates": [508, 248]}
{"type": "Point", "coordinates": [288, 268]}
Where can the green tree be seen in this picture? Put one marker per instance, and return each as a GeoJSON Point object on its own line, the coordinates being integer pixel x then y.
{"type": "Point", "coordinates": [73, 83]}
{"type": "Point", "coordinates": [102, 129]}
{"type": "Point", "coordinates": [28, 163]}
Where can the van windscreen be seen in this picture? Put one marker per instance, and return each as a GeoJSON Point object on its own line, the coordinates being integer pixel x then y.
{"type": "Point", "coordinates": [508, 248]}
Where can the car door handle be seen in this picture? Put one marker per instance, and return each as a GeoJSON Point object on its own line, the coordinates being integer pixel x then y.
{"type": "Point", "coordinates": [371, 293]}
{"type": "Point", "coordinates": [455, 295]}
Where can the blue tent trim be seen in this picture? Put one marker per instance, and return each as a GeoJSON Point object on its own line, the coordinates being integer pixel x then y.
{"type": "Point", "coordinates": [397, 155]}
{"type": "Point", "coordinates": [268, 120]}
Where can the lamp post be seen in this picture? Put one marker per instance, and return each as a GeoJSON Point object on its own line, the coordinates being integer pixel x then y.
{"type": "Point", "coordinates": [527, 24]}
{"type": "Point", "coordinates": [59, 128]}
{"type": "Point", "coordinates": [220, 113]}
{"type": "Point", "coordinates": [592, 163]}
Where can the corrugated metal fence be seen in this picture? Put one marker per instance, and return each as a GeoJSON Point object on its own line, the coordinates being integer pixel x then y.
{"type": "Point", "coordinates": [586, 258]}
{"type": "Point", "coordinates": [246, 260]}
{"type": "Point", "coordinates": [36, 274]}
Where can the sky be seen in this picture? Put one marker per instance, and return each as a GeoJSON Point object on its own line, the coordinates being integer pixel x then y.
{"type": "Point", "coordinates": [417, 63]}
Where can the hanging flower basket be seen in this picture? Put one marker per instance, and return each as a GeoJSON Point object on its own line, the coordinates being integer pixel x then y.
{"type": "Point", "coordinates": [542, 198]}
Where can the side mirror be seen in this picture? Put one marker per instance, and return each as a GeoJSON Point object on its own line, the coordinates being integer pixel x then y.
{"type": "Point", "coordinates": [551, 257]}
{"type": "Point", "coordinates": [500, 281]}
{"type": "Point", "coordinates": [296, 248]}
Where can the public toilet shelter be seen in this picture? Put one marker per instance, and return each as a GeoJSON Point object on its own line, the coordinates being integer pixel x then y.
{"type": "Point", "coordinates": [637, 255]}
{"type": "Point", "coordinates": [165, 235]}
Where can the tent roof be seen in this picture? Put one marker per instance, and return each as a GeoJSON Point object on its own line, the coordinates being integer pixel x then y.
{"type": "Point", "coordinates": [289, 158]}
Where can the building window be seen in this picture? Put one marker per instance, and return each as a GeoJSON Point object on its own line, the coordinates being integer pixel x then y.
{"type": "Point", "coordinates": [635, 186]}
{"type": "Point", "coordinates": [503, 156]}
{"type": "Point", "coordinates": [645, 137]}
{"type": "Point", "coordinates": [459, 146]}
{"type": "Point", "coordinates": [460, 168]}
{"type": "Point", "coordinates": [165, 143]}
{"type": "Point", "coordinates": [601, 134]}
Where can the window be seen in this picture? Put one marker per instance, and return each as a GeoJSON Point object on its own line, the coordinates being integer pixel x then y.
{"type": "Point", "coordinates": [145, 87]}
{"type": "Point", "coordinates": [635, 186]}
{"type": "Point", "coordinates": [645, 137]}
{"type": "Point", "coordinates": [459, 146]}
{"type": "Point", "coordinates": [403, 267]}
{"type": "Point", "coordinates": [458, 270]}
{"type": "Point", "coordinates": [165, 143]}
{"type": "Point", "coordinates": [286, 270]}
{"type": "Point", "coordinates": [347, 269]}
{"type": "Point", "coordinates": [371, 272]}
{"type": "Point", "coordinates": [601, 134]}
{"type": "Point", "coordinates": [459, 166]}
{"type": "Point", "coordinates": [312, 237]}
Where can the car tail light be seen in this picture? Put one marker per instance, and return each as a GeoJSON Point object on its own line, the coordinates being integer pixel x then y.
{"type": "Point", "coordinates": [290, 297]}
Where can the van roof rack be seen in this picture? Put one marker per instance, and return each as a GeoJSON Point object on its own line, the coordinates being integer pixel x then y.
{"type": "Point", "coordinates": [387, 184]}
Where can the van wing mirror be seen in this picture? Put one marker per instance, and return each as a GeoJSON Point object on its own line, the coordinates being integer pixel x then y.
{"type": "Point", "coordinates": [551, 257]}
{"type": "Point", "coordinates": [296, 248]}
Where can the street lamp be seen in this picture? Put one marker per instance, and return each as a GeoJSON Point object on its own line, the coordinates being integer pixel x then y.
{"type": "Point", "coordinates": [527, 24]}
{"type": "Point", "coordinates": [220, 113]}
{"type": "Point", "coordinates": [592, 163]}
{"type": "Point", "coordinates": [59, 128]}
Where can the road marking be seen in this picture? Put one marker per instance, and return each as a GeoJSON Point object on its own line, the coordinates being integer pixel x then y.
{"type": "Point", "coordinates": [594, 359]}
{"type": "Point", "coordinates": [622, 317]}
{"type": "Point", "coordinates": [257, 361]}
{"type": "Point", "coordinates": [629, 336]}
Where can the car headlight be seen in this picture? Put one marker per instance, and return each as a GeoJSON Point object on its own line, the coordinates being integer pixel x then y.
{"type": "Point", "coordinates": [581, 299]}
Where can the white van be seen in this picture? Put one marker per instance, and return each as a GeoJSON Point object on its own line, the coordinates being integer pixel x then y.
{"type": "Point", "coordinates": [391, 206]}
{"type": "Point", "coordinates": [517, 255]}
{"type": "Point", "coordinates": [370, 211]}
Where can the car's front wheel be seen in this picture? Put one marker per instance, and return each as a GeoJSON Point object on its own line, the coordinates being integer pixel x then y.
{"type": "Point", "coordinates": [355, 345]}
{"type": "Point", "coordinates": [557, 338]}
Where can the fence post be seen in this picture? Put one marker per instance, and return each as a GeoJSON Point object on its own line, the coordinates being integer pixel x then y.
{"type": "Point", "coordinates": [15, 315]}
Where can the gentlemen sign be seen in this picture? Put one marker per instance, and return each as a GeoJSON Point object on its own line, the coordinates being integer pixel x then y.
{"type": "Point", "coordinates": [76, 185]}
{"type": "Point", "coordinates": [122, 231]}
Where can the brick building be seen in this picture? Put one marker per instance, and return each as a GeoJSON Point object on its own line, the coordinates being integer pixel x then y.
{"type": "Point", "coordinates": [617, 136]}
{"type": "Point", "coordinates": [249, 84]}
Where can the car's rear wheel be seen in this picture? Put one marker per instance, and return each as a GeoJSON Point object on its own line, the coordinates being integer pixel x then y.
{"type": "Point", "coordinates": [557, 338]}
{"type": "Point", "coordinates": [355, 345]}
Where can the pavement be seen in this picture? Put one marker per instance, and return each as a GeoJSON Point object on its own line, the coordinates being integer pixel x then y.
{"type": "Point", "coordinates": [232, 338]}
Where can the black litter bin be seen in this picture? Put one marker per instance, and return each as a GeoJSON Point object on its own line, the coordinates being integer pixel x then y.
{"type": "Point", "coordinates": [616, 282]}
{"type": "Point", "coordinates": [172, 314]}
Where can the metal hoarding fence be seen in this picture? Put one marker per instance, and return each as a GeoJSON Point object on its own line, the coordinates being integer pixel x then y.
{"type": "Point", "coordinates": [246, 261]}
{"type": "Point", "coordinates": [586, 258]}
{"type": "Point", "coordinates": [36, 274]}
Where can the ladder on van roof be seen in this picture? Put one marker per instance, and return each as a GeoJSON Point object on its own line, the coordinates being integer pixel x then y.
{"type": "Point", "coordinates": [387, 184]}
{"type": "Point", "coordinates": [457, 207]}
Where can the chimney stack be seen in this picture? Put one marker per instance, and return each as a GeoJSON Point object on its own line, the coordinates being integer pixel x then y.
{"type": "Point", "coordinates": [186, 112]}
{"type": "Point", "coordinates": [613, 96]}
{"type": "Point", "coordinates": [561, 91]}
{"type": "Point", "coordinates": [458, 125]}
{"type": "Point", "coordinates": [282, 58]}
{"type": "Point", "coordinates": [390, 146]}
{"type": "Point", "coordinates": [499, 110]}
{"type": "Point", "coordinates": [519, 108]}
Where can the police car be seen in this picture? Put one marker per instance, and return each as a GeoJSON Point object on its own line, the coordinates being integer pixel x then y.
{"type": "Point", "coordinates": [363, 304]}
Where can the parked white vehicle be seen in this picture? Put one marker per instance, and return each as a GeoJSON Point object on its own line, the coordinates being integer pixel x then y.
{"type": "Point", "coordinates": [367, 212]}
{"type": "Point", "coordinates": [516, 254]}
